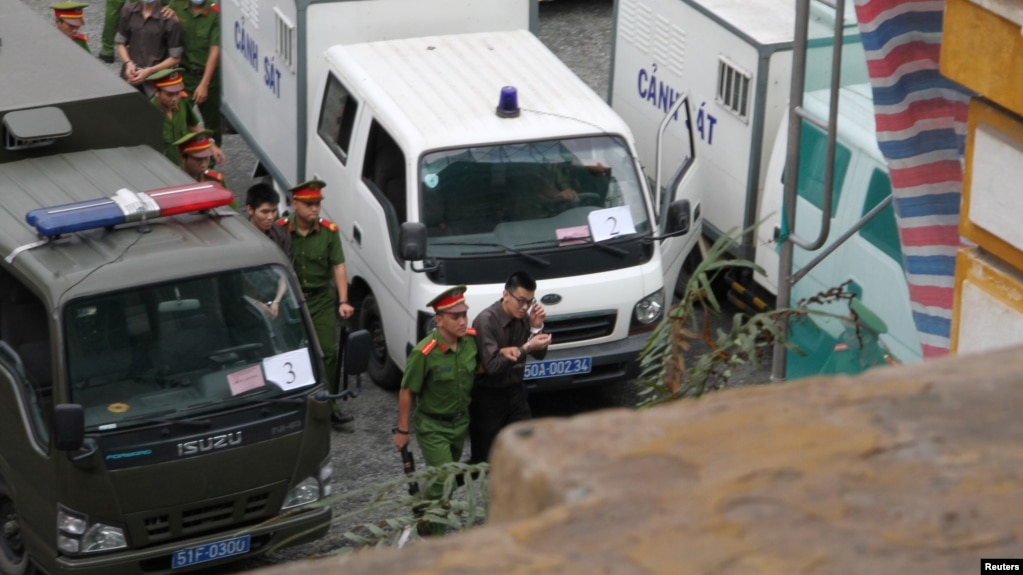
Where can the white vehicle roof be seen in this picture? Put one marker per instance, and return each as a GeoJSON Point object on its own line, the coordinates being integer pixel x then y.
{"type": "Point", "coordinates": [765, 21]}
{"type": "Point", "coordinates": [442, 91]}
{"type": "Point", "coordinates": [771, 22]}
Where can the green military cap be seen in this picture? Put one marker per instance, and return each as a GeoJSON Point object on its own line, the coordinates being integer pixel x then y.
{"type": "Point", "coordinates": [198, 144]}
{"type": "Point", "coordinates": [867, 317]}
{"type": "Point", "coordinates": [450, 300]}
{"type": "Point", "coordinates": [70, 12]}
{"type": "Point", "coordinates": [308, 191]}
{"type": "Point", "coordinates": [168, 79]}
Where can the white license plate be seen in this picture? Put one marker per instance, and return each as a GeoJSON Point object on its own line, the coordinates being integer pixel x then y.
{"type": "Point", "coordinates": [558, 367]}
{"type": "Point", "coordinates": [210, 551]}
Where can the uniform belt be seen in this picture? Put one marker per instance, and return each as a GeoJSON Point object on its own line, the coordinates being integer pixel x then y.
{"type": "Point", "coordinates": [445, 418]}
{"type": "Point", "coordinates": [308, 293]}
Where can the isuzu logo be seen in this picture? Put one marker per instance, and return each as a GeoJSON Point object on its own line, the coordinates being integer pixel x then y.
{"type": "Point", "coordinates": [551, 299]}
{"type": "Point", "coordinates": [212, 443]}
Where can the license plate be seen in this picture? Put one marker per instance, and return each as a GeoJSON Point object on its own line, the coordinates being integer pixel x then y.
{"type": "Point", "coordinates": [210, 551]}
{"type": "Point", "coordinates": [557, 367]}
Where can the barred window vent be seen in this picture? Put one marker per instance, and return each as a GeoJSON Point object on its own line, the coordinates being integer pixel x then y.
{"type": "Point", "coordinates": [733, 88]}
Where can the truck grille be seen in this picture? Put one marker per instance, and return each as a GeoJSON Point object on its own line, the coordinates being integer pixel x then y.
{"type": "Point", "coordinates": [580, 327]}
{"type": "Point", "coordinates": [197, 520]}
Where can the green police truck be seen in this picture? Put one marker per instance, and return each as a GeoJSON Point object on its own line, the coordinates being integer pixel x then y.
{"type": "Point", "coordinates": [155, 415]}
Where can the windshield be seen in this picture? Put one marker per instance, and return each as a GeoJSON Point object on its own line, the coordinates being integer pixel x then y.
{"type": "Point", "coordinates": [530, 195]}
{"type": "Point", "coordinates": [182, 348]}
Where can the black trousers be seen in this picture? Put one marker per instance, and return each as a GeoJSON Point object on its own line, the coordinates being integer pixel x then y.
{"type": "Point", "coordinates": [490, 411]}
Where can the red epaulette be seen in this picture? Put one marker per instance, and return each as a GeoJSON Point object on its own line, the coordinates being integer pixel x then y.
{"type": "Point", "coordinates": [215, 8]}
{"type": "Point", "coordinates": [82, 37]}
{"type": "Point", "coordinates": [429, 347]}
{"type": "Point", "coordinates": [328, 224]}
{"type": "Point", "coordinates": [282, 221]}
{"type": "Point", "coordinates": [470, 331]}
{"type": "Point", "coordinates": [214, 175]}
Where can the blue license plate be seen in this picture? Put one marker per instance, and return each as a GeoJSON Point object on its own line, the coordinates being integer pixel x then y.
{"type": "Point", "coordinates": [558, 367]}
{"type": "Point", "coordinates": [210, 551]}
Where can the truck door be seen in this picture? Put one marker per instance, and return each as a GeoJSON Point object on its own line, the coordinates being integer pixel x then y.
{"type": "Point", "coordinates": [27, 477]}
{"type": "Point", "coordinates": [675, 170]}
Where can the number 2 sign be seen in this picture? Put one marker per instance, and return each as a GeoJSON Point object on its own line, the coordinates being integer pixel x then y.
{"type": "Point", "coordinates": [610, 223]}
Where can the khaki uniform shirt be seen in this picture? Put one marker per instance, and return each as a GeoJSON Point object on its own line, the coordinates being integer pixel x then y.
{"type": "Point", "coordinates": [315, 254]}
{"type": "Point", "coordinates": [175, 127]}
{"type": "Point", "coordinates": [200, 31]}
{"type": "Point", "coordinates": [441, 377]}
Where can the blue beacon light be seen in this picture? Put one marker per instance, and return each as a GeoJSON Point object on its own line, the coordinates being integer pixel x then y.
{"type": "Point", "coordinates": [127, 206]}
{"type": "Point", "coordinates": [508, 105]}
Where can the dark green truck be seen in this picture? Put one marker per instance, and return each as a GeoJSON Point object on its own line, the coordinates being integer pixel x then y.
{"type": "Point", "coordinates": [155, 417]}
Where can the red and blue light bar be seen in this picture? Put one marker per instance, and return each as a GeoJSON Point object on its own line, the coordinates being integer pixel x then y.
{"type": "Point", "coordinates": [127, 206]}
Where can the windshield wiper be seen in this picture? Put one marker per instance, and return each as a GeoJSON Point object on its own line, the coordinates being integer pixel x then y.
{"type": "Point", "coordinates": [155, 418]}
{"type": "Point", "coordinates": [535, 259]}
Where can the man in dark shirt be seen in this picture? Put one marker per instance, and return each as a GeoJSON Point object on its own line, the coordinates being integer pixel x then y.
{"type": "Point", "coordinates": [147, 41]}
{"type": "Point", "coordinates": [261, 205]}
{"type": "Point", "coordinates": [261, 201]}
{"type": "Point", "coordinates": [507, 332]}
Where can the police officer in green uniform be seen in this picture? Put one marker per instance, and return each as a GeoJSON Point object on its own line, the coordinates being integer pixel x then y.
{"type": "Point", "coordinates": [111, 18]}
{"type": "Point", "coordinates": [318, 259]}
{"type": "Point", "coordinates": [196, 149]}
{"type": "Point", "coordinates": [69, 17]}
{"type": "Point", "coordinates": [200, 26]}
{"type": "Point", "coordinates": [439, 375]}
{"type": "Point", "coordinates": [179, 118]}
{"type": "Point", "coordinates": [859, 347]}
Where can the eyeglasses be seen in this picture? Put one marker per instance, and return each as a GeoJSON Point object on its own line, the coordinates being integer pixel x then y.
{"type": "Point", "coordinates": [524, 302]}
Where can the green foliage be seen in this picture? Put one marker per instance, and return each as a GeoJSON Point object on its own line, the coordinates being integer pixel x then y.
{"type": "Point", "coordinates": [406, 515]}
{"type": "Point", "coordinates": [664, 372]}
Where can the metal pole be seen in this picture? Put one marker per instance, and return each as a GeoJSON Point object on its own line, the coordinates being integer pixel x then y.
{"type": "Point", "coordinates": [785, 254]}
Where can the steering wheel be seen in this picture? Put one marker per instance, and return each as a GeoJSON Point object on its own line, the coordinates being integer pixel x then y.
{"type": "Point", "coordinates": [235, 349]}
{"type": "Point", "coordinates": [588, 199]}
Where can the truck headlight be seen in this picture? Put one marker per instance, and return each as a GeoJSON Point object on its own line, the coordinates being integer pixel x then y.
{"type": "Point", "coordinates": [77, 534]}
{"type": "Point", "coordinates": [307, 491]}
{"type": "Point", "coordinates": [648, 310]}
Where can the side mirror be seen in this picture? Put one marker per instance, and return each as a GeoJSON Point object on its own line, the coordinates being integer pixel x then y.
{"type": "Point", "coordinates": [412, 241]}
{"type": "Point", "coordinates": [357, 350]}
{"type": "Point", "coordinates": [68, 427]}
{"type": "Point", "coordinates": [679, 218]}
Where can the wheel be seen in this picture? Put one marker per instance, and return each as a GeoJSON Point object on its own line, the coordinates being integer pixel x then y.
{"type": "Point", "coordinates": [13, 556]}
{"type": "Point", "coordinates": [688, 267]}
{"type": "Point", "coordinates": [381, 369]}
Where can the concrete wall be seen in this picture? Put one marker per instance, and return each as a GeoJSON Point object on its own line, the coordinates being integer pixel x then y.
{"type": "Point", "coordinates": [915, 469]}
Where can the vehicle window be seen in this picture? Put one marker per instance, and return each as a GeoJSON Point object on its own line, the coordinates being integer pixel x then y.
{"type": "Point", "coordinates": [525, 195]}
{"type": "Point", "coordinates": [384, 173]}
{"type": "Point", "coordinates": [337, 117]}
{"type": "Point", "coordinates": [185, 347]}
{"type": "Point", "coordinates": [881, 230]}
{"type": "Point", "coordinates": [25, 331]}
{"type": "Point", "coordinates": [812, 156]}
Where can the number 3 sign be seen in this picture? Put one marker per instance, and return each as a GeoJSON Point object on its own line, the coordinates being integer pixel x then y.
{"type": "Point", "coordinates": [289, 370]}
{"type": "Point", "coordinates": [610, 223]}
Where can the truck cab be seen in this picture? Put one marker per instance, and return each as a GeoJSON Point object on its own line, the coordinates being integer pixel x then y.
{"type": "Point", "coordinates": [503, 160]}
{"type": "Point", "coordinates": [153, 415]}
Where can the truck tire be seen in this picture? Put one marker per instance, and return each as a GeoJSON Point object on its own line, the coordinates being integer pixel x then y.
{"type": "Point", "coordinates": [13, 555]}
{"type": "Point", "coordinates": [381, 369]}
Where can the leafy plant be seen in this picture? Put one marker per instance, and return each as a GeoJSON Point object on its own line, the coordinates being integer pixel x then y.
{"type": "Point", "coordinates": [406, 515]}
{"type": "Point", "coordinates": [664, 371]}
